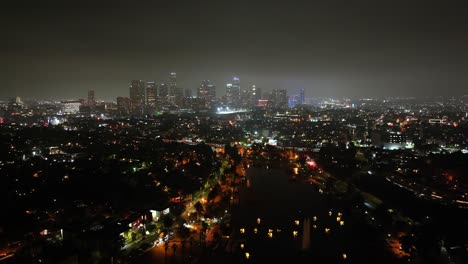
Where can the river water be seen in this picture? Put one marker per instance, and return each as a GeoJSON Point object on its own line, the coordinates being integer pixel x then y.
{"type": "Point", "coordinates": [268, 195]}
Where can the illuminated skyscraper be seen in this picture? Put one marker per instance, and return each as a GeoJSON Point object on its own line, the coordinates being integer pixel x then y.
{"type": "Point", "coordinates": [233, 92]}
{"type": "Point", "coordinates": [123, 105]}
{"type": "Point", "coordinates": [163, 95]}
{"type": "Point", "coordinates": [91, 98]}
{"type": "Point", "coordinates": [253, 95]}
{"type": "Point", "coordinates": [207, 92]}
{"type": "Point", "coordinates": [176, 93]}
{"type": "Point", "coordinates": [229, 94]}
{"type": "Point", "coordinates": [279, 98]}
{"type": "Point", "coordinates": [173, 84]}
{"type": "Point", "coordinates": [151, 93]}
{"type": "Point", "coordinates": [163, 90]}
{"type": "Point", "coordinates": [137, 96]}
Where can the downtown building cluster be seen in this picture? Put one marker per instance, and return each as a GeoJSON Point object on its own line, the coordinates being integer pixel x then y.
{"type": "Point", "coordinates": [149, 97]}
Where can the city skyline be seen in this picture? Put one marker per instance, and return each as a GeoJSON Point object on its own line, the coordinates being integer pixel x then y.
{"type": "Point", "coordinates": [363, 49]}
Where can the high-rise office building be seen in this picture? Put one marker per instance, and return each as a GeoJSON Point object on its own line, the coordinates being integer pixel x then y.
{"type": "Point", "coordinates": [279, 98]}
{"type": "Point", "coordinates": [151, 93]}
{"type": "Point", "coordinates": [123, 105]}
{"type": "Point", "coordinates": [236, 87]}
{"type": "Point", "coordinates": [137, 96]}
{"type": "Point", "coordinates": [207, 92]}
{"type": "Point", "coordinates": [91, 98]}
{"type": "Point", "coordinates": [163, 90]}
{"type": "Point", "coordinates": [233, 92]}
{"type": "Point", "coordinates": [173, 82]}
{"type": "Point", "coordinates": [163, 95]}
{"type": "Point", "coordinates": [176, 93]}
{"type": "Point", "coordinates": [254, 95]}
{"type": "Point", "coordinates": [245, 94]}
{"type": "Point", "coordinates": [229, 94]}
{"type": "Point", "coordinates": [250, 96]}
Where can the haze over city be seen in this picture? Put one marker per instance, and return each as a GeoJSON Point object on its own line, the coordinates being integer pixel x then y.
{"type": "Point", "coordinates": [52, 49]}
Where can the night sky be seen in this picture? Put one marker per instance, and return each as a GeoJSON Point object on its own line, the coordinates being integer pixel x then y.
{"type": "Point", "coordinates": [61, 49]}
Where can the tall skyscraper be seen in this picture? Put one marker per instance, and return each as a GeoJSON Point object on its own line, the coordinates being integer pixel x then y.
{"type": "Point", "coordinates": [254, 96]}
{"type": "Point", "coordinates": [173, 82]}
{"type": "Point", "coordinates": [163, 95]}
{"type": "Point", "coordinates": [137, 96]}
{"type": "Point", "coordinates": [123, 105]}
{"type": "Point", "coordinates": [207, 92]}
{"type": "Point", "coordinates": [176, 93]}
{"type": "Point", "coordinates": [279, 98]}
{"type": "Point", "coordinates": [229, 94]}
{"type": "Point", "coordinates": [151, 93]}
{"type": "Point", "coordinates": [233, 92]}
{"type": "Point", "coordinates": [245, 95]}
{"type": "Point", "coordinates": [163, 90]}
{"type": "Point", "coordinates": [91, 98]}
